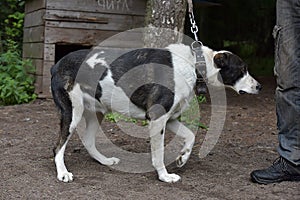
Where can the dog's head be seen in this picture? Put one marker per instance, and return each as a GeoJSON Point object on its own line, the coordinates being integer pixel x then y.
{"type": "Point", "coordinates": [233, 73]}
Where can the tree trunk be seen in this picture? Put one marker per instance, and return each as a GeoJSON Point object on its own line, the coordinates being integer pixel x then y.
{"type": "Point", "coordinates": [164, 22]}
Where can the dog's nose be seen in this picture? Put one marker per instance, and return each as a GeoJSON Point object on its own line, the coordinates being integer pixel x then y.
{"type": "Point", "coordinates": [259, 87]}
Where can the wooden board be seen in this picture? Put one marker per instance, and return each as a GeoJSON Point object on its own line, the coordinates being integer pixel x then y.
{"type": "Point", "coordinates": [76, 36]}
{"type": "Point", "coordinates": [98, 21]}
{"type": "Point", "coordinates": [33, 50]}
{"type": "Point", "coordinates": [47, 78]}
{"type": "Point", "coordinates": [49, 52]}
{"type": "Point", "coordinates": [78, 16]}
{"type": "Point", "coordinates": [33, 5]}
{"type": "Point", "coordinates": [38, 85]}
{"type": "Point", "coordinates": [134, 7]}
{"type": "Point", "coordinates": [38, 64]}
{"type": "Point", "coordinates": [34, 18]}
{"type": "Point", "coordinates": [34, 34]}
{"type": "Point", "coordinates": [94, 37]}
{"type": "Point", "coordinates": [127, 39]}
{"type": "Point", "coordinates": [43, 82]}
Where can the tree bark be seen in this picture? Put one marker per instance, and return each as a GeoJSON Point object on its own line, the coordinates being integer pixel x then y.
{"type": "Point", "coordinates": [164, 22]}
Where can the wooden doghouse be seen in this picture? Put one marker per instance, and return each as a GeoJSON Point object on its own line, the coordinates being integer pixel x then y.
{"type": "Point", "coordinates": [53, 28]}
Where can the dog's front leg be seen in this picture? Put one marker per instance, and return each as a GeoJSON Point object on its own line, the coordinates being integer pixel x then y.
{"type": "Point", "coordinates": [157, 132]}
{"type": "Point", "coordinates": [189, 138]}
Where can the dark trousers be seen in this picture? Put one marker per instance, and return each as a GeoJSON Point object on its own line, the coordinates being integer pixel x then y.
{"type": "Point", "coordinates": [287, 72]}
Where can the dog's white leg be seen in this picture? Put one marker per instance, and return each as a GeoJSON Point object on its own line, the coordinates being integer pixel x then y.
{"type": "Point", "coordinates": [157, 132]}
{"type": "Point", "coordinates": [71, 116]}
{"type": "Point", "coordinates": [189, 138]}
{"type": "Point", "coordinates": [62, 172]}
{"type": "Point", "coordinates": [88, 139]}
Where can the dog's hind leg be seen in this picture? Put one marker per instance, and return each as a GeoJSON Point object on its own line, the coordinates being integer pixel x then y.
{"type": "Point", "coordinates": [189, 138]}
{"type": "Point", "coordinates": [157, 132]}
{"type": "Point", "coordinates": [93, 121]}
{"type": "Point", "coordinates": [71, 106]}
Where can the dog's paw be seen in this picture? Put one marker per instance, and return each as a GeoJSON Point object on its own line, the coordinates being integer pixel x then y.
{"type": "Point", "coordinates": [169, 178]}
{"type": "Point", "coordinates": [183, 158]}
{"type": "Point", "coordinates": [111, 161]}
{"type": "Point", "coordinates": [65, 177]}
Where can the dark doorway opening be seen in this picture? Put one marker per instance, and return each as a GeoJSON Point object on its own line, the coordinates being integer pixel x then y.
{"type": "Point", "coordinates": [63, 49]}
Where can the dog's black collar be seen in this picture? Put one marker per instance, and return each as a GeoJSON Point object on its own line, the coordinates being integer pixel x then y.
{"type": "Point", "coordinates": [200, 67]}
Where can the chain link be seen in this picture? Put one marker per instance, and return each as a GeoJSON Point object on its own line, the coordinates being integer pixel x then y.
{"type": "Point", "coordinates": [194, 27]}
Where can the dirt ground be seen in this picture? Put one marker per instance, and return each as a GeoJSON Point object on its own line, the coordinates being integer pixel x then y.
{"type": "Point", "coordinates": [248, 142]}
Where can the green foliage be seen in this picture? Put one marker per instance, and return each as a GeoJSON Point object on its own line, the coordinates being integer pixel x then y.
{"type": "Point", "coordinates": [245, 49]}
{"type": "Point", "coordinates": [191, 116]}
{"type": "Point", "coordinates": [16, 83]}
{"type": "Point", "coordinates": [12, 19]}
{"type": "Point", "coordinates": [16, 79]}
{"type": "Point", "coordinates": [14, 26]}
{"type": "Point", "coordinates": [200, 99]}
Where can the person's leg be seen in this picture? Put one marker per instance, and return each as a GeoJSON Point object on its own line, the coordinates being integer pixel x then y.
{"type": "Point", "coordinates": [287, 72]}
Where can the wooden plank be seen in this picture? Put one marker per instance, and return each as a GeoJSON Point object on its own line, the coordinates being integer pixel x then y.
{"type": "Point", "coordinates": [33, 50]}
{"type": "Point", "coordinates": [33, 5]}
{"type": "Point", "coordinates": [128, 39]}
{"type": "Point", "coordinates": [91, 26]}
{"type": "Point", "coordinates": [34, 18]}
{"type": "Point", "coordinates": [108, 22]}
{"type": "Point", "coordinates": [47, 78]}
{"type": "Point", "coordinates": [138, 22]}
{"type": "Point", "coordinates": [132, 38]}
{"type": "Point", "coordinates": [38, 84]}
{"type": "Point", "coordinates": [49, 52]}
{"type": "Point", "coordinates": [76, 36]}
{"type": "Point", "coordinates": [71, 16]}
{"type": "Point", "coordinates": [132, 7]}
{"type": "Point", "coordinates": [38, 64]}
{"type": "Point", "coordinates": [34, 34]}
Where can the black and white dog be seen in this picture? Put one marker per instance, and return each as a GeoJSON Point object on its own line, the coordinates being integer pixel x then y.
{"type": "Point", "coordinates": [152, 84]}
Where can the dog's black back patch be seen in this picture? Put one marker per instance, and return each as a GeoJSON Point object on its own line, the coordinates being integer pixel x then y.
{"type": "Point", "coordinates": [147, 78]}
{"type": "Point", "coordinates": [74, 68]}
{"type": "Point", "coordinates": [139, 57]}
{"type": "Point", "coordinates": [66, 69]}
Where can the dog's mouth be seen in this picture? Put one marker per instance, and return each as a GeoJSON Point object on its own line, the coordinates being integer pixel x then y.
{"type": "Point", "coordinates": [256, 91]}
{"type": "Point", "coordinates": [242, 92]}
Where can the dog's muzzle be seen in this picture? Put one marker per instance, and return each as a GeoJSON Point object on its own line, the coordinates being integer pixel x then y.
{"type": "Point", "coordinates": [258, 88]}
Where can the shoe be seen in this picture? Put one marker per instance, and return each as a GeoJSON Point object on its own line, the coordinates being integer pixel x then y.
{"type": "Point", "coordinates": [281, 170]}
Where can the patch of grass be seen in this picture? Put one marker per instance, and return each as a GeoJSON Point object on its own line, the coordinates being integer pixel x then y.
{"type": "Point", "coordinates": [116, 117]}
{"type": "Point", "coordinates": [189, 117]}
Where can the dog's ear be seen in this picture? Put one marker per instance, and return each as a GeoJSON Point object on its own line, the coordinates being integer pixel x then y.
{"type": "Point", "coordinates": [221, 60]}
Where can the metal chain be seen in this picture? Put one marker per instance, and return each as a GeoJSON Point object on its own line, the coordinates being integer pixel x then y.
{"type": "Point", "coordinates": [194, 27]}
